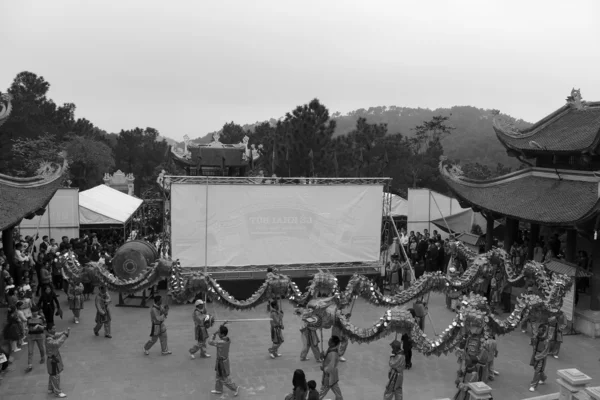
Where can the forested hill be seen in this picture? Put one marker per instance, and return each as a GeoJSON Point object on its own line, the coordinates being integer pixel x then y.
{"type": "Point", "coordinates": [473, 140]}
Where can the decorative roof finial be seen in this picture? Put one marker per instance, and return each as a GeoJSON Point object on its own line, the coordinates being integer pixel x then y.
{"type": "Point", "coordinates": [574, 100]}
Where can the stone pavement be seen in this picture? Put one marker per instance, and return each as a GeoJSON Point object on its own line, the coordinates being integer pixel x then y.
{"type": "Point", "coordinates": [100, 368]}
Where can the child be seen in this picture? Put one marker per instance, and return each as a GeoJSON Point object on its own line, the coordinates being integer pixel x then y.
{"type": "Point", "coordinates": [23, 321]}
{"type": "Point", "coordinates": [312, 391]}
{"type": "Point", "coordinates": [25, 287]}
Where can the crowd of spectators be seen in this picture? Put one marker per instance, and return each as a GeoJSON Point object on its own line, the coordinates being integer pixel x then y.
{"type": "Point", "coordinates": [33, 280]}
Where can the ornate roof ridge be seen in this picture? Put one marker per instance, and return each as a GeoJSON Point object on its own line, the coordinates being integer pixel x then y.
{"type": "Point", "coordinates": [505, 128]}
{"type": "Point", "coordinates": [454, 173]}
{"type": "Point", "coordinates": [47, 174]}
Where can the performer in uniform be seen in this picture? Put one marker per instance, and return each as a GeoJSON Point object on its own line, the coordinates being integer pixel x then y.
{"type": "Point", "coordinates": [36, 325]}
{"type": "Point", "coordinates": [310, 340]}
{"type": "Point", "coordinates": [393, 389]}
{"type": "Point", "coordinates": [335, 331]}
{"type": "Point", "coordinates": [103, 312]}
{"type": "Point", "coordinates": [330, 379]}
{"type": "Point", "coordinates": [556, 327]}
{"type": "Point", "coordinates": [75, 297]}
{"type": "Point", "coordinates": [201, 323]}
{"type": "Point", "coordinates": [276, 328]}
{"type": "Point", "coordinates": [222, 344]}
{"type": "Point", "coordinates": [538, 358]}
{"type": "Point", "coordinates": [158, 315]}
{"type": "Point", "coordinates": [55, 365]}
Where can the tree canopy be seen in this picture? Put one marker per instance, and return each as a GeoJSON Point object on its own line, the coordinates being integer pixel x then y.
{"type": "Point", "coordinates": [308, 141]}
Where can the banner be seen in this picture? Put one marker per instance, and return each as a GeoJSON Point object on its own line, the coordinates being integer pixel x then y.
{"type": "Point", "coordinates": [275, 224]}
{"type": "Point", "coordinates": [60, 219]}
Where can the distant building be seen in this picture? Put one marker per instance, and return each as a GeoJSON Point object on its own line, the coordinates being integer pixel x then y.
{"type": "Point", "coordinates": [121, 182]}
{"type": "Point", "coordinates": [216, 158]}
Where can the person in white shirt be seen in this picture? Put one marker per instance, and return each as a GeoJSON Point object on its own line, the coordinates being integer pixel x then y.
{"type": "Point", "coordinates": [18, 253]}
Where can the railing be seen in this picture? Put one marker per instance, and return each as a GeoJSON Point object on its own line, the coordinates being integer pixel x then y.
{"type": "Point", "coordinates": [572, 382]}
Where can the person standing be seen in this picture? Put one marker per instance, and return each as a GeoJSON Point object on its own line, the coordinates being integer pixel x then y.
{"type": "Point", "coordinates": [36, 326]}
{"type": "Point", "coordinates": [75, 297]}
{"type": "Point", "coordinates": [55, 365]}
{"type": "Point", "coordinates": [310, 340]}
{"type": "Point", "coordinates": [222, 366]}
{"type": "Point", "coordinates": [394, 274]}
{"type": "Point", "coordinates": [538, 358]}
{"type": "Point", "coordinates": [158, 315]}
{"type": "Point", "coordinates": [276, 329]}
{"type": "Point", "coordinates": [393, 389]}
{"type": "Point", "coordinates": [556, 327]}
{"type": "Point", "coordinates": [330, 379]}
{"type": "Point", "coordinates": [492, 350]}
{"type": "Point", "coordinates": [49, 305]}
{"type": "Point", "coordinates": [407, 345]}
{"type": "Point", "coordinates": [335, 331]}
{"type": "Point", "coordinates": [103, 316]}
{"type": "Point", "coordinates": [201, 320]}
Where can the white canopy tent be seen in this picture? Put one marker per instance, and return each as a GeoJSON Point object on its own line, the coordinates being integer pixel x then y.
{"type": "Point", "coordinates": [396, 207]}
{"type": "Point", "coordinates": [103, 205]}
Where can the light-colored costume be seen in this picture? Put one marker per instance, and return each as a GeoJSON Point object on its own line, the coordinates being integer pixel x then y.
{"type": "Point", "coordinates": [491, 347]}
{"type": "Point", "coordinates": [310, 340]}
{"type": "Point", "coordinates": [200, 333]}
{"type": "Point", "coordinates": [222, 364]}
{"type": "Point", "coordinates": [452, 295]}
{"type": "Point", "coordinates": [330, 379]}
{"type": "Point", "coordinates": [276, 331]}
{"type": "Point", "coordinates": [103, 316]}
{"type": "Point", "coordinates": [54, 362]}
{"type": "Point", "coordinates": [75, 297]}
{"type": "Point", "coordinates": [158, 315]}
{"type": "Point", "coordinates": [393, 389]}
{"type": "Point", "coordinates": [556, 327]}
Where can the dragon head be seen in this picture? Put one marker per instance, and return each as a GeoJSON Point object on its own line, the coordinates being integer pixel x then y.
{"type": "Point", "coordinates": [320, 312]}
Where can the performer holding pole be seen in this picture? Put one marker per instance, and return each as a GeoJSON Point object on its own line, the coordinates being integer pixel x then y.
{"type": "Point", "coordinates": [158, 315]}
{"type": "Point", "coordinates": [538, 358]}
{"type": "Point", "coordinates": [222, 343]}
{"type": "Point", "coordinates": [310, 340]}
{"type": "Point", "coordinates": [393, 389]}
{"type": "Point", "coordinates": [276, 329]}
{"type": "Point", "coordinates": [201, 322]}
{"type": "Point", "coordinates": [556, 327]}
{"type": "Point", "coordinates": [330, 379]}
{"type": "Point", "coordinates": [103, 316]}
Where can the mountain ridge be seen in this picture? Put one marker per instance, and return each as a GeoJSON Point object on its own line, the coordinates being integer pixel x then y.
{"type": "Point", "coordinates": [472, 140]}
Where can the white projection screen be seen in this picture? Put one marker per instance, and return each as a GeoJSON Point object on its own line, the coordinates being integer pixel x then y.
{"type": "Point", "coordinates": [275, 224]}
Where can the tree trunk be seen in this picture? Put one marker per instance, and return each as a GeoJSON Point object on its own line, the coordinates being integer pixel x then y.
{"type": "Point", "coordinates": [9, 250]}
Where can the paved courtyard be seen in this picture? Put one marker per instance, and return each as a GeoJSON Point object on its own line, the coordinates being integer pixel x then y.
{"type": "Point", "coordinates": [100, 368]}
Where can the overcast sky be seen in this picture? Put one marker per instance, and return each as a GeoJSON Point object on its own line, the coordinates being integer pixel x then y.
{"type": "Point", "coordinates": [187, 67]}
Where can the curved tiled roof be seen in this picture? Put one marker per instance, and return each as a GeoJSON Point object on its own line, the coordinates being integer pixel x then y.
{"type": "Point", "coordinates": [568, 129]}
{"type": "Point", "coordinates": [535, 195]}
{"type": "Point", "coordinates": [20, 198]}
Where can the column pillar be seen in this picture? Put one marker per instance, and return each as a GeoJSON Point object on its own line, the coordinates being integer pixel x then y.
{"type": "Point", "coordinates": [489, 232]}
{"type": "Point", "coordinates": [595, 279]}
{"type": "Point", "coordinates": [534, 235]}
{"type": "Point", "coordinates": [571, 251]}
{"type": "Point", "coordinates": [479, 391]}
{"type": "Point", "coordinates": [571, 381]}
{"type": "Point", "coordinates": [510, 234]}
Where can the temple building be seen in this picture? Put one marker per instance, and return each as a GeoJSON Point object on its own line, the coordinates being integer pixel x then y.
{"type": "Point", "coordinates": [121, 182]}
{"type": "Point", "coordinates": [216, 158]}
{"type": "Point", "coordinates": [559, 190]}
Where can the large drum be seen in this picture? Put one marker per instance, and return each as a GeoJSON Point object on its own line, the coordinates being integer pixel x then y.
{"type": "Point", "coordinates": [132, 259]}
